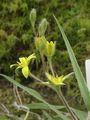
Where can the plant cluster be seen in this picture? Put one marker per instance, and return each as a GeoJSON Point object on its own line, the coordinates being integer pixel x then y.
{"type": "Point", "coordinates": [47, 49]}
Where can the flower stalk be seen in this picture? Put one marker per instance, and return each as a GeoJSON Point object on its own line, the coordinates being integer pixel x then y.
{"type": "Point", "coordinates": [26, 116]}
{"type": "Point", "coordinates": [61, 97]}
{"type": "Point", "coordinates": [51, 68]}
{"type": "Point", "coordinates": [34, 77]}
{"type": "Point", "coordinates": [42, 59]}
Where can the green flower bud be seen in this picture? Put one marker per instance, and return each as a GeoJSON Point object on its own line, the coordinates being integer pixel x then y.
{"type": "Point", "coordinates": [40, 43]}
{"type": "Point", "coordinates": [33, 17]}
{"type": "Point", "coordinates": [42, 27]}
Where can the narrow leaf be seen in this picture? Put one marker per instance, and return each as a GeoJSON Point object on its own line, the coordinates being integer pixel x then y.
{"type": "Point", "coordinates": [79, 76]}
{"type": "Point", "coordinates": [36, 95]}
{"type": "Point", "coordinates": [81, 114]}
{"type": "Point", "coordinates": [47, 116]}
{"type": "Point", "coordinates": [42, 106]}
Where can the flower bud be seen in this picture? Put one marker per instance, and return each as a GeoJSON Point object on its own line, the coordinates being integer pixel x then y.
{"type": "Point", "coordinates": [40, 43]}
{"type": "Point", "coordinates": [50, 49]}
{"type": "Point", "coordinates": [33, 17]}
{"type": "Point", "coordinates": [42, 27]}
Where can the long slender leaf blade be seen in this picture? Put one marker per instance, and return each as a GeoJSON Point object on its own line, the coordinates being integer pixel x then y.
{"type": "Point", "coordinates": [47, 115]}
{"type": "Point", "coordinates": [81, 114]}
{"type": "Point", "coordinates": [36, 95]}
{"type": "Point", "coordinates": [4, 118]}
{"type": "Point", "coordinates": [42, 106]}
{"type": "Point", "coordinates": [80, 78]}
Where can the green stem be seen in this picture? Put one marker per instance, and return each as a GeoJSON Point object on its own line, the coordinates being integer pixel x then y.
{"type": "Point", "coordinates": [26, 116]}
{"type": "Point", "coordinates": [51, 68]}
{"type": "Point", "coordinates": [43, 62]}
{"type": "Point", "coordinates": [61, 97]}
{"type": "Point", "coordinates": [41, 81]}
{"type": "Point", "coordinates": [34, 77]}
{"type": "Point", "coordinates": [17, 94]}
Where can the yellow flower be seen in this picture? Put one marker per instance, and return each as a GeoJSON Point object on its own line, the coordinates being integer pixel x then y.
{"type": "Point", "coordinates": [50, 48]}
{"type": "Point", "coordinates": [57, 80]}
{"type": "Point", "coordinates": [23, 64]}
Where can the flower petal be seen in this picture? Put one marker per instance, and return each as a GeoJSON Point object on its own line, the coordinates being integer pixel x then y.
{"type": "Point", "coordinates": [32, 56]}
{"type": "Point", "coordinates": [23, 62]}
{"type": "Point", "coordinates": [55, 80]}
{"type": "Point", "coordinates": [48, 76]}
{"type": "Point", "coordinates": [25, 71]}
{"type": "Point", "coordinates": [22, 59]}
{"type": "Point", "coordinates": [13, 65]}
{"type": "Point", "coordinates": [68, 75]}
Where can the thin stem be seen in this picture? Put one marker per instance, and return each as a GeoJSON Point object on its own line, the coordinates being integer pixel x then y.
{"type": "Point", "coordinates": [7, 113]}
{"type": "Point", "coordinates": [51, 68]}
{"type": "Point", "coordinates": [16, 92]}
{"type": "Point", "coordinates": [34, 77]}
{"type": "Point", "coordinates": [27, 114]}
{"type": "Point", "coordinates": [35, 114]}
{"type": "Point", "coordinates": [26, 109]}
{"type": "Point", "coordinates": [40, 81]}
{"type": "Point", "coordinates": [15, 95]}
{"type": "Point", "coordinates": [88, 117]}
{"type": "Point", "coordinates": [43, 62]}
{"type": "Point", "coordinates": [3, 107]}
{"type": "Point", "coordinates": [61, 97]}
{"type": "Point", "coordinates": [18, 95]}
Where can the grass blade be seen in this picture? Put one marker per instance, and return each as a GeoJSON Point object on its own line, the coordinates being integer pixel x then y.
{"type": "Point", "coordinates": [42, 106]}
{"type": "Point", "coordinates": [47, 116]}
{"type": "Point", "coordinates": [79, 76]}
{"type": "Point", "coordinates": [81, 114]}
{"type": "Point", "coordinates": [36, 95]}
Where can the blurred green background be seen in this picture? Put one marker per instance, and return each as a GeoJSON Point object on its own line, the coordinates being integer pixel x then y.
{"type": "Point", "coordinates": [17, 39]}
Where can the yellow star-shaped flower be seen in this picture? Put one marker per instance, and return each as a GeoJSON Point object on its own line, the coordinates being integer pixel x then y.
{"type": "Point", "coordinates": [57, 80]}
{"type": "Point", "coordinates": [23, 64]}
